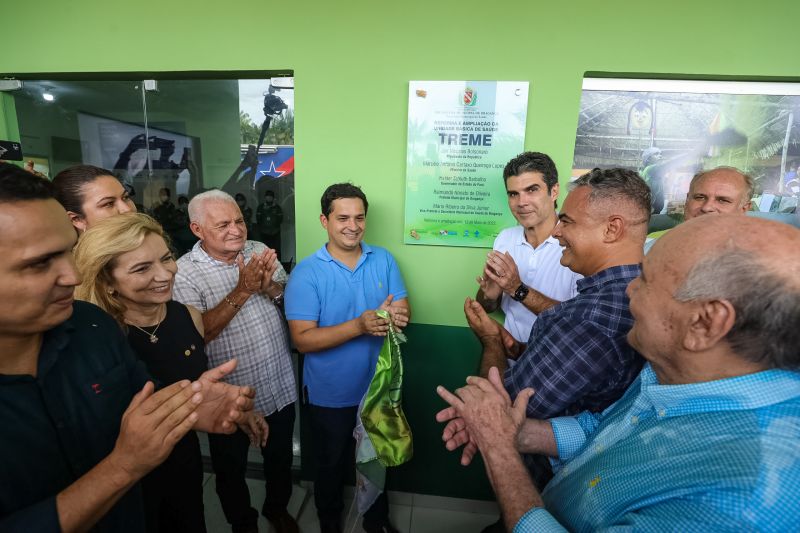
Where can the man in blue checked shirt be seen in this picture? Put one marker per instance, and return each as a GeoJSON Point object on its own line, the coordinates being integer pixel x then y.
{"type": "Point", "coordinates": [238, 284]}
{"type": "Point", "coordinates": [707, 437]}
{"type": "Point", "coordinates": [576, 356]}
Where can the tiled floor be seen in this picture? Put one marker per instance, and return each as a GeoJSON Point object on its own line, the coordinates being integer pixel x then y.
{"type": "Point", "coordinates": [410, 513]}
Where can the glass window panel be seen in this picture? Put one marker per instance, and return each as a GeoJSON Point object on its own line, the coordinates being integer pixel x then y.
{"type": "Point", "coordinates": [670, 129]}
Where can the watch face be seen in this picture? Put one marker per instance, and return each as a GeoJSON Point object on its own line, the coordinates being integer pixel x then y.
{"type": "Point", "coordinates": [521, 293]}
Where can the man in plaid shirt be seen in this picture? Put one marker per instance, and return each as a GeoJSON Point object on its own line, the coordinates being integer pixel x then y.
{"type": "Point", "coordinates": [237, 284]}
{"type": "Point", "coordinates": [577, 357]}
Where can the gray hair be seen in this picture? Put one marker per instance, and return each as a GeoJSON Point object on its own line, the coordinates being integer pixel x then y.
{"type": "Point", "coordinates": [767, 325]}
{"type": "Point", "coordinates": [197, 205]}
{"type": "Point", "coordinates": [615, 184]}
{"type": "Point", "coordinates": [749, 184]}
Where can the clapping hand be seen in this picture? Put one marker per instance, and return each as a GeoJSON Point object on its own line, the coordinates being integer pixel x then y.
{"type": "Point", "coordinates": [256, 428]}
{"type": "Point", "coordinates": [271, 263]}
{"type": "Point", "coordinates": [224, 405]}
{"type": "Point", "coordinates": [481, 324]}
{"type": "Point", "coordinates": [153, 423]}
{"type": "Point", "coordinates": [481, 415]}
{"type": "Point", "coordinates": [251, 275]}
{"type": "Point", "coordinates": [501, 269]}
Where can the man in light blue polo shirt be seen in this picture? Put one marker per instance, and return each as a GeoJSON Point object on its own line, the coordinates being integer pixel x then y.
{"type": "Point", "coordinates": [331, 299]}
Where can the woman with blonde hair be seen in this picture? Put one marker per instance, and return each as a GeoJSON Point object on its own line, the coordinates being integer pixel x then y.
{"type": "Point", "coordinates": [128, 270]}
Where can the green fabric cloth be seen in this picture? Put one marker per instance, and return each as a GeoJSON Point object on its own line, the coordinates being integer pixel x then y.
{"type": "Point", "coordinates": [656, 234]}
{"type": "Point", "coordinates": [382, 410]}
{"type": "Point", "coordinates": [383, 436]}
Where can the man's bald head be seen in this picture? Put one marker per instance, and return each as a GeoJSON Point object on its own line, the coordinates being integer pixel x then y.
{"type": "Point", "coordinates": [755, 265]}
{"type": "Point", "coordinates": [719, 190]}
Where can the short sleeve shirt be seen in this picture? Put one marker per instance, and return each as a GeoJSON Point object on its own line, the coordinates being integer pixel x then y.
{"type": "Point", "coordinates": [256, 336]}
{"type": "Point", "coordinates": [577, 357]}
{"type": "Point", "coordinates": [324, 290]}
{"type": "Point", "coordinates": [539, 268]}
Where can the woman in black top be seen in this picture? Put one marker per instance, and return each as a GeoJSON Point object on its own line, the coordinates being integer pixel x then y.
{"type": "Point", "coordinates": [128, 270]}
{"type": "Point", "coordinates": [172, 349]}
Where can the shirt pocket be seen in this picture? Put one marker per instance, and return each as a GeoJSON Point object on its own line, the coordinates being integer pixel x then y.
{"type": "Point", "coordinates": [108, 394]}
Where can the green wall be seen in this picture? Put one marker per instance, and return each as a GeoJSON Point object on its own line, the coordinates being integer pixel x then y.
{"type": "Point", "coordinates": [352, 63]}
{"type": "Point", "coordinates": [9, 129]}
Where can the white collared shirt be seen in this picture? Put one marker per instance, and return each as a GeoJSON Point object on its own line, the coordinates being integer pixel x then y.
{"type": "Point", "coordinates": [539, 268]}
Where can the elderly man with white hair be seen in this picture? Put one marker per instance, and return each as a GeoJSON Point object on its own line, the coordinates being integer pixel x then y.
{"type": "Point", "coordinates": [238, 284]}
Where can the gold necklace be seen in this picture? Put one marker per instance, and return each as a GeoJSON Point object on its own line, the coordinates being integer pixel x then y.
{"type": "Point", "coordinates": [153, 337]}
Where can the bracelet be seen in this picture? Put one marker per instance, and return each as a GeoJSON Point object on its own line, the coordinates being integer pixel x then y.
{"type": "Point", "coordinates": [278, 298]}
{"type": "Point", "coordinates": [232, 303]}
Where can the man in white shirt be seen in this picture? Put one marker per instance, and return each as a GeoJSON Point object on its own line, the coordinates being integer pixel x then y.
{"type": "Point", "coordinates": [523, 275]}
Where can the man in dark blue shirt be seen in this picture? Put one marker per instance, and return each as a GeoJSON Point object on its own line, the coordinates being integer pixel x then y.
{"type": "Point", "coordinates": [577, 357]}
{"type": "Point", "coordinates": [81, 422]}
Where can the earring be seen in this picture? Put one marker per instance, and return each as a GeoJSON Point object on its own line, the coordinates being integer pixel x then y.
{"type": "Point", "coordinates": [111, 292]}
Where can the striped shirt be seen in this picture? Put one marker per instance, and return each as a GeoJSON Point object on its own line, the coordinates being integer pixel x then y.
{"type": "Point", "coordinates": [256, 336]}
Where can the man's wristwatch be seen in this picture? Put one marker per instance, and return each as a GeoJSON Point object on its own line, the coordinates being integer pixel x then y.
{"type": "Point", "coordinates": [521, 293]}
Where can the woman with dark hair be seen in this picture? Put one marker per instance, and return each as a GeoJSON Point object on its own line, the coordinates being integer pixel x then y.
{"type": "Point", "coordinates": [90, 194]}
